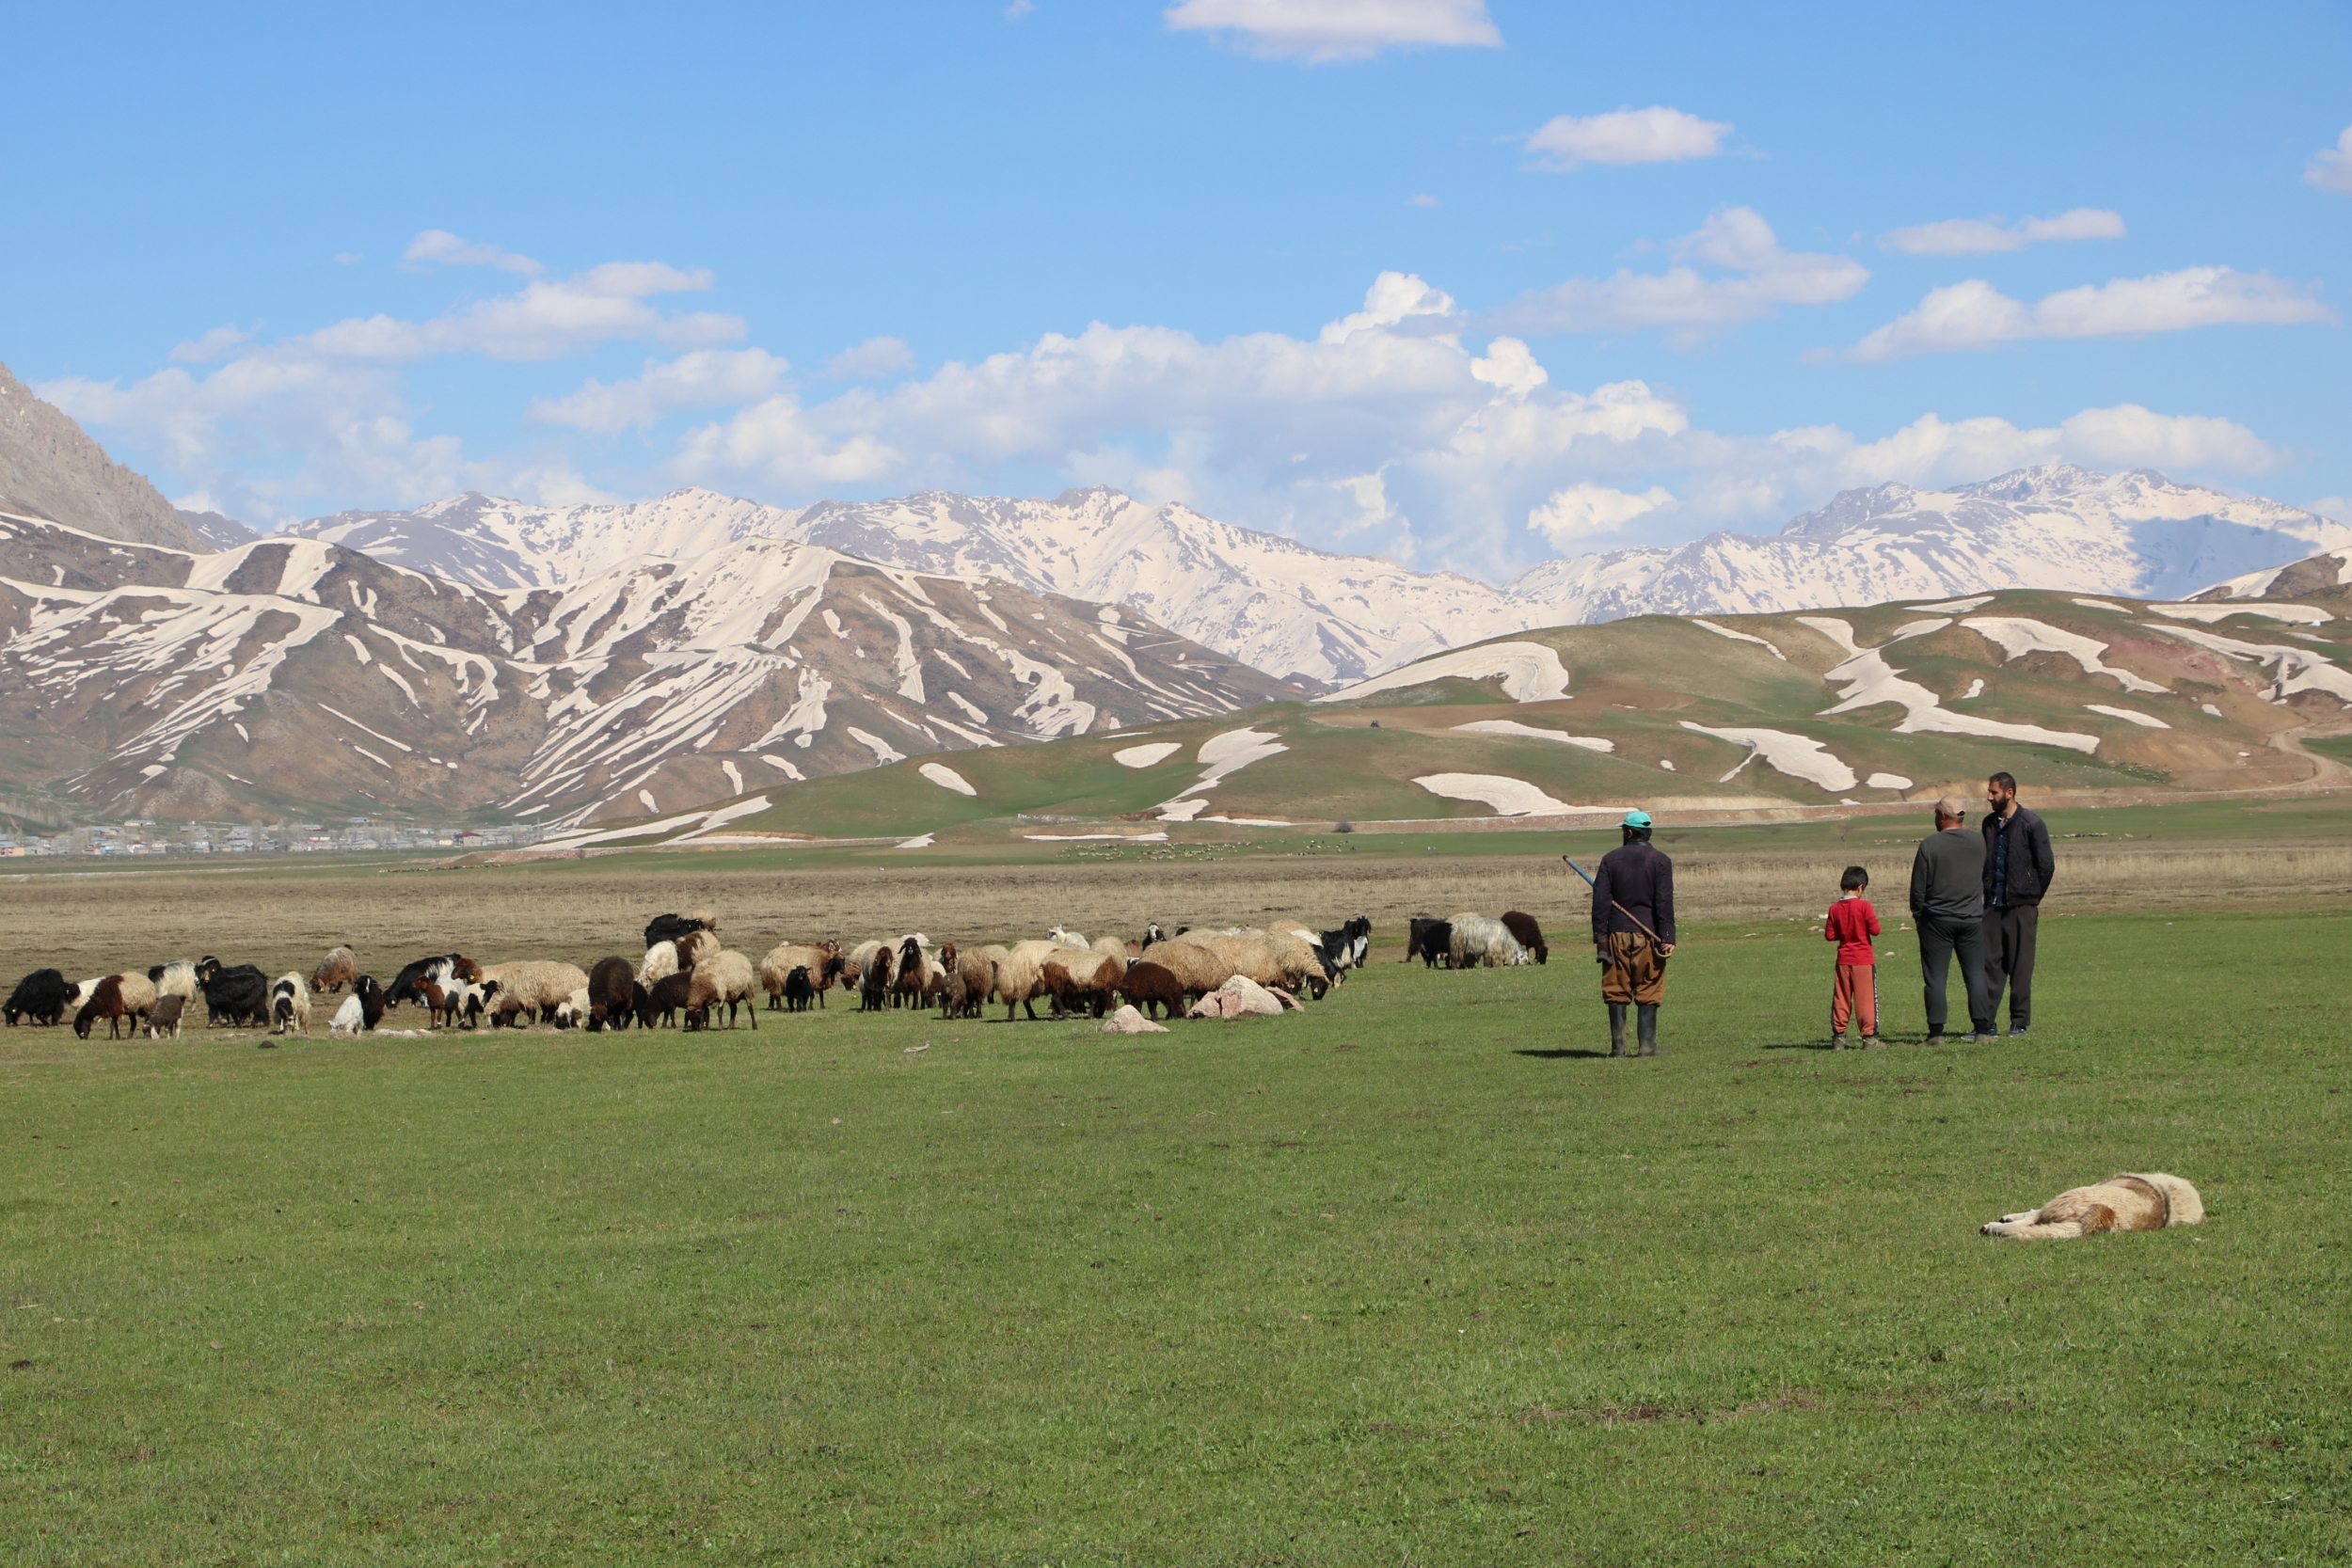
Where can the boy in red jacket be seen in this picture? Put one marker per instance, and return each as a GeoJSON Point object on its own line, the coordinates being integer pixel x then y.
{"type": "Point", "coordinates": [1851, 924]}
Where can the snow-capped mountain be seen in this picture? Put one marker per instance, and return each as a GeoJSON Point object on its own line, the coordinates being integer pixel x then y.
{"type": "Point", "coordinates": [2135, 535]}
{"type": "Point", "coordinates": [1292, 611]}
{"type": "Point", "coordinates": [293, 676]}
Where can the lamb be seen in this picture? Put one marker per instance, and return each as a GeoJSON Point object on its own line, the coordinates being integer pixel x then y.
{"type": "Point", "coordinates": [361, 1011]}
{"type": "Point", "coordinates": [106, 1002]}
{"type": "Point", "coordinates": [572, 1012]}
{"type": "Point", "coordinates": [290, 1005]}
{"type": "Point", "coordinates": [797, 993]}
{"type": "Point", "coordinates": [1080, 978]}
{"type": "Point", "coordinates": [176, 978]}
{"type": "Point", "coordinates": [724, 976]}
{"type": "Point", "coordinates": [465, 1003]}
{"type": "Point", "coordinates": [165, 1019]}
{"type": "Point", "coordinates": [1150, 984]}
{"type": "Point", "coordinates": [1019, 976]}
{"type": "Point", "coordinates": [236, 997]}
{"type": "Point", "coordinates": [822, 960]}
{"type": "Point", "coordinates": [539, 986]}
{"type": "Point", "coordinates": [1527, 934]}
{"type": "Point", "coordinates": [1429, 940]}
{"type": "Point", "coordinates": [41, 996]}
{"type": "Point", "coordinates": [610, 994]}
{"type": "Point", "coordinates": [664, 1000]}
{"type": "Point", "coordinates": [337, 969]}
{"type": "Point", "coordinates": [1479, 940]}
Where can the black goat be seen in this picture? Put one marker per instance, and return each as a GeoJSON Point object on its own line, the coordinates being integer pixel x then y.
{"type": "Point", "coordinates": [41, 996]}
{"type": "Point", "coordinates": [237, 997]}
{"type": "Point", "coordinates": [1429, 941]}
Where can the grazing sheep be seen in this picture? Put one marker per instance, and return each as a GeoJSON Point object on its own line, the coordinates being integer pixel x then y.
{"type": "Point", "coordinates": [822, 960]}
{"type": "Point", "coordinates": [441, 969]}
{"type": "Point", "coordinates": [237, 997]}
{"type": "Point", "coordinates": [572, 1012]}
{"type": "Point", "coordinates": [538, 986]}
{"type": "Point", "coordinates": [724, 976]}
{"type": "Point", "coordinates": [465, 1003]}
{"type": "Point", "coordinates": [1527, 934]}
{"type": "Point", "coordinates": [853, 962]}
{"type": "Point", "coordinates": [873, 981]}
{"type": "Point", "coordinates": [1081, 979]}
{"type": "Point", "coordinates": [669, 928]}
{"type": "Point", "coordinates": [977, 973]}
{"type": "Point", "coordinates": [165, 1019]}
{"type": "Point", "coordinates": [361, 1011]}
{"type": "Point", "coordinates": [1429, 940]}
{"type": "Point", "coordinates": [1019, 975]}
{"type": "Point", "coordinates": [41, 996]}
{"type": "Point", "coordinates": [695, 947]}
{"type": "Point", "coordinates": [139, 994]}
{"type": "Point", "coordinates": [611, 994]}
{"type": "Point", "coordinates": [660, 963]}
{"type": "Point", "coordinates": [1196, 968]}
{"type": "Point", "coordinates": [1067, 937]}
{"type": "Point", "coordinates": [106, 1001]}
{"type": "Point", "coordinates": [664, 1000]}
{"type": "Point", "coordinates": [1480, 940]}
{"type": "Point", "coordinates": [797, 993]}
{"type": "Point", "coordinates": [337, 969]}
{"type": "Point", "coordinates": [176, 978]}
{"type": "Point", "coordinates": [290, 1005]}
{"type": "Point", "coordinates": [1150, 984]}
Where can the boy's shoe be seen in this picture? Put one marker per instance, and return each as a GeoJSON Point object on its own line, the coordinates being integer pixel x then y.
{"type": "Point", "coordinates": [1871, 1042]}
{"type": "Point", "coordinates": [1838, 1042]}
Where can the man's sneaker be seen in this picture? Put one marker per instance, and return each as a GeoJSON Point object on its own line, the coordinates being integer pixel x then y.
{"type": "Point", "coordinates": [1838, 1042]}
{"type": "Point", "coordinates": [2017, 1031]}
{"type": "Point", "coordinates": [1871, 1042]}
{"type": "Point", "coordinates": [1988, 1037]}
{"type": "Point", "coordinates": [1935, 1039]}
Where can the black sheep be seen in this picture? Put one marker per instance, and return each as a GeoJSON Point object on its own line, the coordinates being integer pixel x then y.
{"type": "Point", "coordinates": [235, 997]}
{"type": "Point", "coordinates": [668, 995]}
{"type": "Point", "coordinates": [1429, 941]}
{"type": "Point", "coordinates": [640, 1003]}
{"type": "Point", "coordinates": [669, 928]}
{"type": "Point", "coordinates": [41, 996]}
{"type": "Point", "coordinates": [873, 984]}
{"type": "Point", "coordinates": [797, 991]}
{"type": "Point", "coordinates": [1527, 934]}
{"type": "Point", "coordinates": [611, 994]}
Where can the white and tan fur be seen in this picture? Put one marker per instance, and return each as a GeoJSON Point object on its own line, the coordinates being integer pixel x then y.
{"type": "Point", "coordinates": [2129, 1201]}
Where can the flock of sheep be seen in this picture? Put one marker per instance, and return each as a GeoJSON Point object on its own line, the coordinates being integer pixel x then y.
{"type": "Point", "coordinates": [686, 972]}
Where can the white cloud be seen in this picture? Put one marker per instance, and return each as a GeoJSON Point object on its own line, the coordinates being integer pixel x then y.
{"type": "Point", "coordinates": [1319, 31]}
{"type": "Point", "coordinates": [872, 359]}
{"type": "Point", "coordinates": [1422, 199]}
{"type": "Point", "coordinates": [1975, 314]}
{"type": "Point", "coordinates": [1585, 510]}
{"type": "Point", "coordinates": [706, 378]}
{"type": "Point", "coordinates": [439, 244]}
{"type": "Point", "coordinates": [1653, 136]}
{"type": "Point", "coordinates": [211, 345]}
{"type": "Point", "coordinates": [1761, 277]}
{"type": "Point", "coordinates": [2330, 168]}
{"type": "Point", "coordinates": [1975, 236]}
{"type": "Point", "coordinates": [545, 320]}
{"type": "Point", "coordinates": [1019, 9]}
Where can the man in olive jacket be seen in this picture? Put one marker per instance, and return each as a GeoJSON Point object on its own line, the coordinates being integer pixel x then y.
{"type": "Point", "coordinates": [2017, 870]}
{"type": "Point", "coordinates": [1947, 906]}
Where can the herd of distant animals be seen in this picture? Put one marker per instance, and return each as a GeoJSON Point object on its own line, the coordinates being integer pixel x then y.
{"type": "Point", "coordinates": [687, 974]}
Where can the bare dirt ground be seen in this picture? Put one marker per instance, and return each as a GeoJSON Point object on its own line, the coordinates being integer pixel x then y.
{"type": "Point", "coordinates": [99, 925]}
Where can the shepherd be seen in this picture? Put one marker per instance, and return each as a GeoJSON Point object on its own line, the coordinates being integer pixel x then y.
{"type": "Point", "coordinates": [1633, 931]}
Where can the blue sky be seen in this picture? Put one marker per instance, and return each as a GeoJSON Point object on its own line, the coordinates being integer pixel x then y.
{"type": "Point", "coordinates": [1467, 284]}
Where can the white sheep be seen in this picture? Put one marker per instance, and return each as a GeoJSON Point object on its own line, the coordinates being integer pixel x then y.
{"type": "Point", "coordinates": [1482, 939]}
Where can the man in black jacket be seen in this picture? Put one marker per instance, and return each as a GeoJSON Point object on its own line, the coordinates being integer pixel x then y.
{"type": "Point", "coordinates": [1634, 888]}
{"type": "Point", "coordinates": [1948, 906]}
{"type": "Point", "coordinates": [2017, 870]}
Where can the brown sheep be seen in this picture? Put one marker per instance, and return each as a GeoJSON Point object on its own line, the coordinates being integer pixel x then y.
{"type": "Point", "coordinates": [822, 960]}
{"type": "Point", "coordinates": [1149, 983]}
{"type": "Point", "coordinates": [337, 969]}
{"type": "Point", "coordinates": [1083, 980]}
{"type": "Point", "coordinates": [106, 1001]}
{"type": "Point", "coordinates": [663, 1000]}
{"type": "Point", "coordinates": [722, 976]}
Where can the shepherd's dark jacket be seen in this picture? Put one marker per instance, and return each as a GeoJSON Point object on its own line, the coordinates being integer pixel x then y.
{"type": "Point", "coordinates": [2031, 862]}
{"type": "Point", "coordinates": [1642, 880]}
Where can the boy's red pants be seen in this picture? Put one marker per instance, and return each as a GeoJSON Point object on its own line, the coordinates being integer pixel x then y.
{"type": "Point", "coordinates": [1856, 993]}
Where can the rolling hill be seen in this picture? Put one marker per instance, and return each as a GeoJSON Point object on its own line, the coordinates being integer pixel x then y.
{"type": "Point", "coordinates": [1708, 717]}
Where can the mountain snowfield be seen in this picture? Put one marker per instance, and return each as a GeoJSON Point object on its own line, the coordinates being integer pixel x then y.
{"type": "Point", "coordinates": [292, 673]}
{"type": "Point", "coordinates": [1297, 612]}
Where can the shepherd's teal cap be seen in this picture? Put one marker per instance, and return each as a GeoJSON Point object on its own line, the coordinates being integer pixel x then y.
{"type": "Point", "coordinates": [1637, 820]}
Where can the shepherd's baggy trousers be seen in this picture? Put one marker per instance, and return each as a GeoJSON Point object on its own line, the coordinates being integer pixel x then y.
{"type": "Point", "coordinates": [1939, 940]}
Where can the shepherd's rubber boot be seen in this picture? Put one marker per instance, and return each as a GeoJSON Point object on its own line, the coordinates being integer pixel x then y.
{"type": "Point", "coordinates": [1616, 1028]}
{"type": "Point", "coordinates": [1647, 1024]}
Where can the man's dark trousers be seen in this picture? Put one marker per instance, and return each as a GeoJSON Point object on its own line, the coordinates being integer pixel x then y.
{"type": "Point", "coordinates": [2008, 938]}
{"type": "Point", "coordinates": [1939, 940]}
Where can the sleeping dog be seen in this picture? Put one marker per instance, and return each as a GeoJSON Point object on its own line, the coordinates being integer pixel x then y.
{"type": "Point", "coordinates": [2128, 1202]}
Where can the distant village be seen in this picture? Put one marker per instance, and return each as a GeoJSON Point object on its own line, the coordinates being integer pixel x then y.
{"type": "Point", "coordinates": [355, 835]}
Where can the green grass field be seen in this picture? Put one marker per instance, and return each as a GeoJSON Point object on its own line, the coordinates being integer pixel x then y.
{"type": "Point", "coordinates": [1412, 1278]}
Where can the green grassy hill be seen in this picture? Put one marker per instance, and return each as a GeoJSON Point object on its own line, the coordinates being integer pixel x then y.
{"type": "Point", "coordinates": [1723, 718]}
